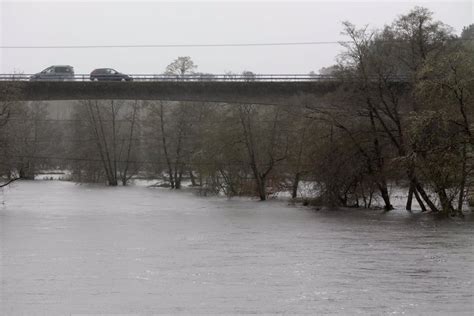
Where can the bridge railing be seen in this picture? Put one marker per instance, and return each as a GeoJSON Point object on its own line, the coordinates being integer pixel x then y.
{"type": "Point", "coordinates": [196, 78]}
{"type": "Point", "coordinates": [188, 77]}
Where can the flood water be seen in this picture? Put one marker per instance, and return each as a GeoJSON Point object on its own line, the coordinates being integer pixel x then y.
{"type": "Point", "coordinates": [80, 249]}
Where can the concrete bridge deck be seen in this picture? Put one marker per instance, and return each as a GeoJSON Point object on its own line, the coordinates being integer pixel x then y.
{"type": "Point", "coordinates": [278, 92]}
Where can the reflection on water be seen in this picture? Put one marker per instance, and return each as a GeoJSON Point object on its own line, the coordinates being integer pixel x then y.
{"type": "Point", "coordinates": [86, 249]}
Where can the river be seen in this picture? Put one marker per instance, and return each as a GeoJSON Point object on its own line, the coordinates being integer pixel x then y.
{"type": "Point", "coordinates": [82, 249]}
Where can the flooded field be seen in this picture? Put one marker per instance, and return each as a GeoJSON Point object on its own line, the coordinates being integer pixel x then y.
{"type": "Point", "coordinates": [81, 249]}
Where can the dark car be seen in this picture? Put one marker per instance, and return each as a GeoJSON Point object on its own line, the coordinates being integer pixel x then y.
{"type": "Point", "coordinates": [55, 73]}
{"type": "Point", "coordinates": [109, 74]}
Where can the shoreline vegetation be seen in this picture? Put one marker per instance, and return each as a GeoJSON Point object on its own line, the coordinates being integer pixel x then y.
{"type": "Point", "coordinates": [306, 195]}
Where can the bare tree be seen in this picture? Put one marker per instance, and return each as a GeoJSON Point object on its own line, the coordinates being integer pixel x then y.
{"type": "Point", "coordinates": [112, 128]}
{"type": "Point", "coordinates": [357, 53]}
{"type": "Point", "coordinates": [265, 145]}
{"type": "Point", "coordinates": [172, 125]}
{"type": "Point", "coordinates": [181, 66]}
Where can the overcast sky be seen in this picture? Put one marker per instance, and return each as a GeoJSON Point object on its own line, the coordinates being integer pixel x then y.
{"type": "Point", "coordinates": [43, 23]}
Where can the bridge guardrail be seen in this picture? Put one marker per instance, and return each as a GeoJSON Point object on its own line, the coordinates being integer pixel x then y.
{"type": "Point", "coordinates": [197, 78]}
{"type": "Point", "coordinates": [190, 77]}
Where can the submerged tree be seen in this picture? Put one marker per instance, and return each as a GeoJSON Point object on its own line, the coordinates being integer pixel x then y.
{"type": "Point", "coordinates": [110, 153]}
{"type": "Point", "coordinates": [393, 81]}
{"type": "Point", "coordinates": [173, 127]}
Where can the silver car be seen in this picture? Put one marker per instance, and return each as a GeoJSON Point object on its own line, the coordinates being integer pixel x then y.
{"type": "Point", "coordinates": [55, 73]}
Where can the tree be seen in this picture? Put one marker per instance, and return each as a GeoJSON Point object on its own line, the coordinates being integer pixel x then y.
{"type": "Point", "coordinates": [173, 125]}
{"type": "Point", "coordinates": [30, 136]}
{"type": "Point", "coordinates": [356, 59]}
{"type": "Point", "coordinates": [248, 75]}
{"type": "Point", "coordinates": [446, 86]}
{"type": "Point", "coordinates": [25, 136]}
{"type": "Point", "coordinates": [265, 143]}
{"type": "Point", "coordinates": [219, 155]}
{"type": "Point", "coordinates": [181, 66]}
{"type": "Point", "coordinates": [303, 135]}
{"type": "Point", "coordinates": [111, 149]}
{"type": "Point", "coordinates": [8, 93]}
{"type": "Point", "coordinates": [416, 35]}
{"type": "Point", "coordinates": [440, 157]}
{"type": "Point", "coordinates": [376, 61]}
{"type": "Point", "coordinates": [329, 71]}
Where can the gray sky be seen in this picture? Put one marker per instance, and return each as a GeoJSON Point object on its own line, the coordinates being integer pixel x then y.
{"type": "Point", "coordinates": [45, 23]}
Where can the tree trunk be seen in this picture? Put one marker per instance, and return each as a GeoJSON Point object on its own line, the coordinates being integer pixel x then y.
{"type": "Point", "coordinates": [410, 197]}
{"type": "Point", "coordinates": [98, 139]}
{"type": "Point", "coordinates": [177, 180]}
{"type": "Point", "coordinates": [385, 196]}
{"type": "Point", "coordinates": [446, 206]}
{"type": "Point", "coordinates": [25, 173]}
{"type": "Point", "coordinates": [129, 149]}
{"type": "Point", "coordinates": [171, 179]}
{"type": "Point", "coordinates": [112, 177]}
{"type": "Point", "coordinates": [296, 181]}
{"type": "Point", "coordinates": [262, 194]}
{"type": "Point", "coordinates": [419, 188]}
{"type": "Point", "coordinates": [381, 182]}
{"type": "Point", "coordinates": [420, 201]}
{"type": "Point", "coordinates": [462, 186]}
{"type": "Point", "coordinates": [193, 179]}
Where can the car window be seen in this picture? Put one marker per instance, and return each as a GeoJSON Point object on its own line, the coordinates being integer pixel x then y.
{"type": "Point", "coordinates": [63, 70]}
{"type": "Point", "coordinates": [48, 70]}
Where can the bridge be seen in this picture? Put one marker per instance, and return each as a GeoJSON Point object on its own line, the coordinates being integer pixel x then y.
{"type": "Point", "coordinates": [263, 89]}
